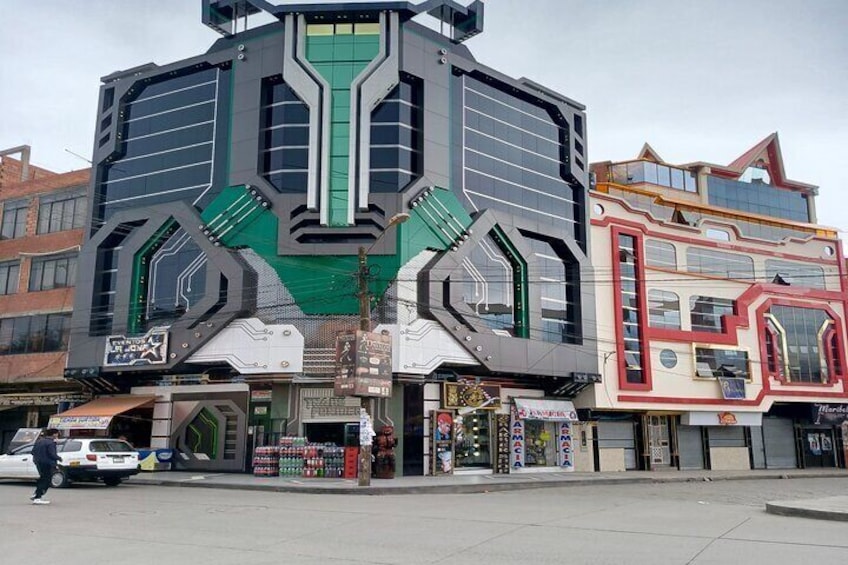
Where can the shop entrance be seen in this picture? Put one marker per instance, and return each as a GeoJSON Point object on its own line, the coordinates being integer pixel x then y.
{"type": "Point", "coordinates": [327, 432]}
{"type": "Point", "coordinates": [818, 446]}
{"type": "Point", "coordinates": [659, 445]}
{"type": "Point", "coordinates": [473, 440]}
{"type": "Point", "coordinates": [540, 449]}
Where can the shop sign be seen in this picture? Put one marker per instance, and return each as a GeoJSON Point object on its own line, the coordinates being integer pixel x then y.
{"type": "Point", "coordinates": [830, 414]}
{"type": "Point", "coordinates": [502, 422]}
{"type": "Point", "coordinates": [320, 404]}
{"type": "Point", "coordinates": [260, 410]}
{"type": "Point", "coordinates": [724, 418]}
{"type": "Point", "coordinates": [149, 349]}
{"type": "Point", "coordinates": [732, 388]}
{"type": "Point", "coordinates": [476, 396]}
{"type": "Point", "coordinates": [47, 399]}
{"type": "Point", "coordinates": [547, 410]}
{"type": "Point", "coordinates": [262, 395]}
{"type": "Point", "coordinates": [79, 422]}
{"type": "Point", "coordinates": [363, 364]}
{"type": "Point", "coordinates": [727, 419]}
{"type": "Point", "coordinates": [566, 447]}
{"type": "Point", "coordinates": [516, 451]}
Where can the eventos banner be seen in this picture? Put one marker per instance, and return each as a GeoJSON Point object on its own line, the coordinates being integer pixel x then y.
{"type": "Point", "coordinates": [830, 414]}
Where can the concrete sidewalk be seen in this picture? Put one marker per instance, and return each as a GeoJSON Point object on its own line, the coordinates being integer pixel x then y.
{"type": "Point", "coordinates": [833, 508]}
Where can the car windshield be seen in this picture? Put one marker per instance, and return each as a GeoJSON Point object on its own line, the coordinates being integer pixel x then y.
{"type": "Point", "coordinates": [103, 446]}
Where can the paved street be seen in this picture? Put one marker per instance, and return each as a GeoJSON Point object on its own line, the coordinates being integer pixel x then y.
{"type": "Point", "coordinates": [721, 522]}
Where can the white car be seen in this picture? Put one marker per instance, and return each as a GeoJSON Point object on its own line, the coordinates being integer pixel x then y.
{"type": "Point", "coordinates": [83, 459]}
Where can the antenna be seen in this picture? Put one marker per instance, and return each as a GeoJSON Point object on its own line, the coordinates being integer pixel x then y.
{"type": "Point", "coordinates": [78, 156]}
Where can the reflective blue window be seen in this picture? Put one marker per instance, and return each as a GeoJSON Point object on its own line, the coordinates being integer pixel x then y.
{"type": "Point", "coordinates": [284, 139]}
{"type": "Point", "coordinates": [167, 147]}
{"type": "Point", "coordinates": [514, 157]}
{"type": "Point", "coordinates": [396, 138]}
{"type": "Point", "coordinates": [759, 198]}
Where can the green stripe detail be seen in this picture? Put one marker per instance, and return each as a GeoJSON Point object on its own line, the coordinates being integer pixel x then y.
{"type": "Point", "coordinates": [141, 264]}
{"type": "Point", "coordinates": [519, 275]}
{"type": "Point", "coordinates": [339, 58]}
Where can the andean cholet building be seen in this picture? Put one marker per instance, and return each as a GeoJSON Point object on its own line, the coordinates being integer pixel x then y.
{"type": "Point", "coordinates": [232, 191]}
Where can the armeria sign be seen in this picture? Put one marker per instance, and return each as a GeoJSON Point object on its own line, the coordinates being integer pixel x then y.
{"type": "Point", "coordinates": [149, 349]}
{"type": "Point", "coordinates": [363, 364]}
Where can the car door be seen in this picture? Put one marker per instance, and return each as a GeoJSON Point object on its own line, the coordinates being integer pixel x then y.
{"type": "Point", "coordinates": [18, 464]}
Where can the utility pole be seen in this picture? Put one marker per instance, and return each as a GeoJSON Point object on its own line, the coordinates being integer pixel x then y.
{"type": "Point", "coordinates": [362, 277]}
{"type": "Point", "coordinates": [364, 325]}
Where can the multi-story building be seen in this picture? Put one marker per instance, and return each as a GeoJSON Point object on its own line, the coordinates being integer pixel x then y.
{"type": "Point", "coordinates": [42, 215]}
{"type": "Point", "coordinates": [721, 320]}
{"type": "Point", "coordinates": [233, 191]}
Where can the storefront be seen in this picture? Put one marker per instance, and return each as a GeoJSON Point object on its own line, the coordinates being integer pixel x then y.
{"type": "Point", "coordinates": [31, 410]}
{"type": "Point", "coordinates": [823, 437]}
{"type": "Point", "coordinates": [725, 438]}
{"type": "Point", "coordinates": [128, 416]}
{"type": "Point", "coordinates": [542, 435]}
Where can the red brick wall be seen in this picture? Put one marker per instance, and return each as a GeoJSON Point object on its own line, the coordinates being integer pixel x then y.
{"type": "Point", "coordinates": [37, 367]}
{"type": "Point", "coordinates": [11, 170]}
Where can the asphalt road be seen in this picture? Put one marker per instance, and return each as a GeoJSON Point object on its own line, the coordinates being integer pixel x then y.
{"type": "Point", "coordinates": [722, 523]}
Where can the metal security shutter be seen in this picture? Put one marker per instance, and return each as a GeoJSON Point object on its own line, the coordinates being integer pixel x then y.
{"type": "Point", "coordinates": [758, 448]}
{"type": "Point", "coordinates": [779, 441]}
{"type": "Point", "coordinates": [690, 447]}
{"type": "Point", "coordinates": [619, 435]}
{"type": "Point", "coordinates": [726, 436]}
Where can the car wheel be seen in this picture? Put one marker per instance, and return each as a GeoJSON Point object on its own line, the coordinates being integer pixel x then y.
{"type": "Point", "coordinates": [59, 479]}
{"type": "Point", "coordinates": [112, 481]}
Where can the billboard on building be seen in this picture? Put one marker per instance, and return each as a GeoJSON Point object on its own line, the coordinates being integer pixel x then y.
{"type": "Point", "coordinates": [149, 349]}
{"type": "Point", "coordinates": [363, 364]}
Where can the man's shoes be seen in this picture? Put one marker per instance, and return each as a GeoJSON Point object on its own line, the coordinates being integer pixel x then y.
{"type": "Point", "coordinates": [40, 501]}
{"type": "Point", "coordinates": [33, 497]}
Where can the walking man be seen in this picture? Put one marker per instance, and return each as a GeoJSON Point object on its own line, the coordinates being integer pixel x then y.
{"type": "Point", "coordinates": [45, 459]}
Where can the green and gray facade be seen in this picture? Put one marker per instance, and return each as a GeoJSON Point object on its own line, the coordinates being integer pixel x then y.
{"type": "Point", "coordinates": [231, 193]}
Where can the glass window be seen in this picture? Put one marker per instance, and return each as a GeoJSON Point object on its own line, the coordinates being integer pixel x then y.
{"type": "Point", "coordinates": [802, 342]}
{"type": "Point", "coordinates": [53, 272]}
{"type": "Point", "coordinates": [10, 272]}
{"type": "Point", "coordinates": [660, 254]}
{"type": "Point", "coordinates": [720, 235]}
{"type": "Point", "coordinates": [556, 274]}
{"type": "Point", "coordinates": [711, 362]}
{"type": "Point", "coordinates": [796, 274]}
{"type": "Point", "coordinates": [34, 334]}
{"type": "Point", "coordinates": [664, 309]}
{"type": "Point", "coordinates": [719, 263]}
{"type": "Point", "coordinates": [61, 212]}
{"type": "Point", "coordinates": [488, 285]}
{"type": "Point", "coordinates": [759, 198]}
{"type": "Point", "coordinates": [71, 446]}
{"type": "Point", "coordinates": [706, 313]}
{"type": "Point", "coordinates": [472, 436]}
{"type": "Point", "coordinates": [540, 443]}
{"type": "Point", "coordinates": [14, 219]}
{"type": "Point", "coordinates": [103, 446]}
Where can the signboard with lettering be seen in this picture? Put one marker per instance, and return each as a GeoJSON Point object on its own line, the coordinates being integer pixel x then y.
{"type": "Point", "coordinates": [363, 364]}
{"type": "Point", "coordinates": [516, 443]}
{"type": "Point", "coordinates": [322, 405]}
{"type": "Point", "coordinates": [830, 414]}
{"type": "Point", "coordinates": [502, 433]}
{"type": "Point", "coordinates": [479, 397]}
{"type": "Point", "coordinates": [46, 399]}
{"type": "Point", "coordinates": [566, 447]}
{"type": "Point", "coordinates": [149, 349]}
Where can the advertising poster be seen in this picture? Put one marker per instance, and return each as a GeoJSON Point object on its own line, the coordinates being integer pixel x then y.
{"type": "Point", "coordinates": [363, 364]}
{"type": "Point", "coordinates": [441, 452]}
{"type": "Point", "coordinates": [502, 454]}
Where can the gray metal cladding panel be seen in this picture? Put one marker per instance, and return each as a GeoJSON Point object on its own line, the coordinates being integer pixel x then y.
{"type": "Point", "coordinates": [690, 447]}
{"type": "Point", "coordinates": [779, 443]}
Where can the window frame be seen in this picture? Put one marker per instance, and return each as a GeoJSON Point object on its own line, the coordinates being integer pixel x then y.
{"type": "Point", "coordinates": [41, 266]}
{"type": "Point", "coordinates": [47, 205]}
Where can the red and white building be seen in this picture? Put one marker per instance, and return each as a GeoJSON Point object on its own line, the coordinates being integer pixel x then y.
{"type": "Point", "coordinates": [721, 321]}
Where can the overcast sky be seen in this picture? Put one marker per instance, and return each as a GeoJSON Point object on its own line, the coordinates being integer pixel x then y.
{"type": "Point", "coordinates": [699, 80]}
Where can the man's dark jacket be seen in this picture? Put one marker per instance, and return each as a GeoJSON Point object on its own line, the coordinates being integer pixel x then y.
{"type": "Point", "coordinates": [44, 452]}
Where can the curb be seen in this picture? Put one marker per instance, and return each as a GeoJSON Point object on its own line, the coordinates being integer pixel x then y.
{"type": "Point", "coordinates": [793, 510]}
{"type": "Point", "coordinates": [476, 488]}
